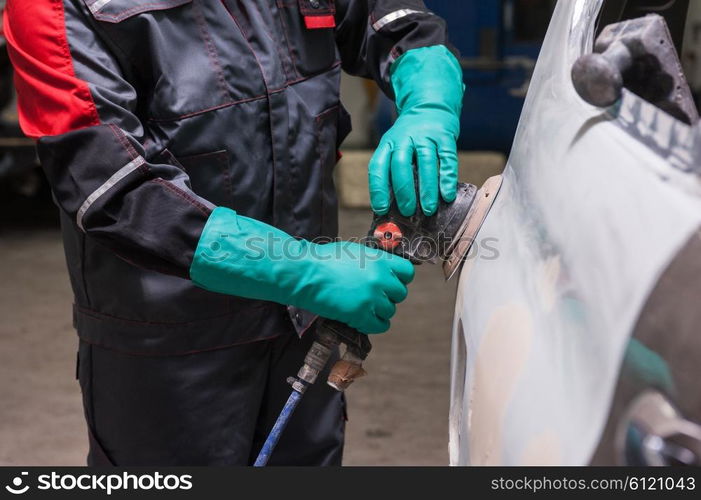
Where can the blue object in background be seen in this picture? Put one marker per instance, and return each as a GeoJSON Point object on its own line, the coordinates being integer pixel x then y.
{"type": "Point", "coordinates": [499, 42]}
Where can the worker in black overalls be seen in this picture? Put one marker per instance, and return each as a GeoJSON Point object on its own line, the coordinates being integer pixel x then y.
{"type": "Point", "coordinates": [190, 146]}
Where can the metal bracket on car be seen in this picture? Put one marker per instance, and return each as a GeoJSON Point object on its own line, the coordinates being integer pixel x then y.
{"type": "Point", "coordinates": [639, 55]}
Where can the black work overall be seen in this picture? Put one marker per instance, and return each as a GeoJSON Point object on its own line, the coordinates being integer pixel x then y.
{"type": "Point", "coordinates": [150, 114]}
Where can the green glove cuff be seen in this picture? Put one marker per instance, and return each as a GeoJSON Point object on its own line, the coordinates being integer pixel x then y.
{"type": "Point", "coordinates": [241, 256]}
{"type": "Point", "coordinates": [428, 76]}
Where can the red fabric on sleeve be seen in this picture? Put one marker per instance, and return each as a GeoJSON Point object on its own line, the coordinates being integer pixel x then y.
{"type": "Point", "coordinates": [51, 99]}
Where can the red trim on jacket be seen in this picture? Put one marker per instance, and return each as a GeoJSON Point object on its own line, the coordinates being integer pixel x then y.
{"type": "Point", "coordinates": [318, 22]}
{"type": "Point", "coordinates": [51, 99]}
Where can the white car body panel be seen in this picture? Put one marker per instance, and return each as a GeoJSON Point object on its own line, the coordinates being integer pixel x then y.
{"type": "Point", "coordinates": [593, 207]}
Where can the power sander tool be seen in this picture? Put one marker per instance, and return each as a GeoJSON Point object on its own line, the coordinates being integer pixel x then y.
{"type": "Point", "coordinates": [446, 236]}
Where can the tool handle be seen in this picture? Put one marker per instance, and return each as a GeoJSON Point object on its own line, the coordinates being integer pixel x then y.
{"type": "Point", "coordinates": [356, 342]}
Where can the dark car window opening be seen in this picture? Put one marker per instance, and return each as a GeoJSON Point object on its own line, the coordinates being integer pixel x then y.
{"type": "Point", "coordinates": [531, 19]}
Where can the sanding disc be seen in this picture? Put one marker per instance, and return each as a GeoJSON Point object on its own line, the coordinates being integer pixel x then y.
{"type": "Point", "coordinates": [469, 229]}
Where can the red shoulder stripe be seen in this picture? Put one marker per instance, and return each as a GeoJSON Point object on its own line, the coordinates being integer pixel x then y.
{"type": "Point", "coordinates": [51, 99]}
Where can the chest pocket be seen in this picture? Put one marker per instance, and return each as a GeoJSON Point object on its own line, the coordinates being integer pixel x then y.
{"type": "Point", "coordinates": [114, 11]}
{"type": "Point", "coordinates": [168, 53]}
{"type": "Point", "coordinates": [309, 32]}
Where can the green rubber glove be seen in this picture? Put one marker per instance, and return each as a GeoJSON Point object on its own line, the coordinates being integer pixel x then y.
{"type": "Point", "coordinates": [428, 87]}
{"type": "Point", "coordinates": [345, 281]}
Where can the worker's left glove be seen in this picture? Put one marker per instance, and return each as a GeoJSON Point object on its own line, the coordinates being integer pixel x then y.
{"type": "Point", "coordinates": [346, 282]}
{"type": "Point", "coordinates": [428, 86]}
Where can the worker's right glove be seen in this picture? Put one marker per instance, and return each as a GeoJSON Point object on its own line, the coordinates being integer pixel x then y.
{"type": "Point", "coordinates": [348, 282]}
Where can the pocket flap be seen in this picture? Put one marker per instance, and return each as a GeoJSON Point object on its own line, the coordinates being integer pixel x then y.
{"type": "Point", "coordinates": [115, 11]}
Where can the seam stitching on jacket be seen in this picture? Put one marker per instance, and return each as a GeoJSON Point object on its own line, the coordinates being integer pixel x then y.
{"type": "Point", "coordinates": [335, 65]}
{"type": "Point", "coordinates": [207, 110]}
{"type": "Point", "coordinates": [220, 157]}
{"type": "Point", "coordinates": [278, 46]}
{"type": "Point", "coordinates": [283, 23]}
{"type": "Point", "coordinates": [110, 317]}
{"type": "Point", "coordinates": [123, 141]}
{"type": "Point", "coordinates": [229, 185]}
{"type": "Point", "coordinates": [211, 52]}
{"type": "Point", "coordinates": [318, 121]}
{"type": "Point", "coordinates": [182, 194]}
{"type": "Point", "coordinates": [183, 353]}
{"type": "Point", "coordinates": [83, 90]}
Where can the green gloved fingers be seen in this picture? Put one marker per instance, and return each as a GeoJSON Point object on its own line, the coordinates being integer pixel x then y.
{"type": "Point", "coordinates": [385, 310]}
{"type": "Point", "coordinates": [428, 87]}
{"type": "Point", "coordinates": [427, 166]}
{"type": "Point", "coordinates": [396, 292]}
{"type": "Point", "coordinates": [403, 178]}
{"type": "Point", "coordinates": [379, 178]}
{"type": "Point", "coordinates": [344, 281]}
{"type": "Point", "coordinates": [448, 157]}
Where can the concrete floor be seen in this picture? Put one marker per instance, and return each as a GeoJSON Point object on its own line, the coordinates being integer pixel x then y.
{"type": "Point", "coordinates": [398, 413]}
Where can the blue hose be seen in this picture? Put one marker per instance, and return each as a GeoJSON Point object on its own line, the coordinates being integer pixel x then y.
{"type": "Point", "coordinates": [279, 426]}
